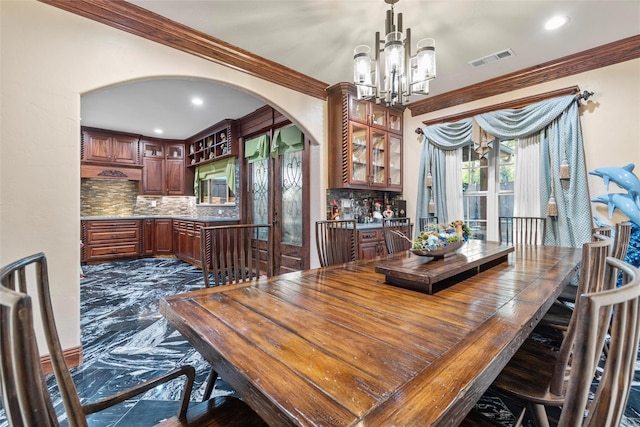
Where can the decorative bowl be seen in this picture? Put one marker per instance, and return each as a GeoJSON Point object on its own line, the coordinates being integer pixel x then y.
{"type": "Point", "coordinates": [441, 252]}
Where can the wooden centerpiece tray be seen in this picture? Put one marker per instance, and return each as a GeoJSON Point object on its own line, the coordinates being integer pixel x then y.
{"type": "Point", "coordinates": [426, 274]}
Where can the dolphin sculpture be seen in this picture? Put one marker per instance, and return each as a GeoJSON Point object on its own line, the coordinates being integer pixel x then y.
{"type": "Point", "coordinates": [623, 202]}
{"type": "Point", "coordinates": [623, 177]}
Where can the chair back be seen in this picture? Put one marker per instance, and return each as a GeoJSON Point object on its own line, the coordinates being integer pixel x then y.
{"type": "Point", "coordinates": [604, 230]}
{"type": "Point", "coordinates": [336, 241]}
{"type": "Point", "coordinates": [394, 241]}
{"type": "Point", "coordinates": [26, 399]}
{"type": "Point", "coordinates": [424, 221]}
{"type": "Point", "coordinates": [236, 253]}
{"type": "Point", "coordinates": [621, 240]}
{"type": "Point", "coordinates": [616, 309]}
{"type": "Point", "coordinates": [521, 230]}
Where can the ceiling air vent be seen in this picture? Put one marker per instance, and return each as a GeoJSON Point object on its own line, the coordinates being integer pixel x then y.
{"type": "Point", "coordinates": [492, 58]}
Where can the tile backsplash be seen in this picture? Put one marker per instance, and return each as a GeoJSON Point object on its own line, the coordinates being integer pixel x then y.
{"type": "Point", "coordinates": [102, 197]}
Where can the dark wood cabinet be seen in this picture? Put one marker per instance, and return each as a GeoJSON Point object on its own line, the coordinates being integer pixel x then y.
{"type": "Point", "coordinates": [371, 244]}
{"type": "Point", "coordinates": [186, 239]}
{"type": "Point", "coordinates": [365, 142]}
{"type": "Point", "coordinates": [105, 147]}
{"type": "Point", "coordinates": [148, 237]}
{"type": "Point", "coordinates": [163, 240]}
{"type": "Point", "coordinates": [214, 143]}
{"type": "Point", "coordinates": [163, 172]}
{"type": "Point", "coordinates": [111, 239]}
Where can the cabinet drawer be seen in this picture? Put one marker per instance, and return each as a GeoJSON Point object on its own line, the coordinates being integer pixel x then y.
{"type": "Point", "coordinates": [125, 223]}
{"type": "Point", "coordinates": [369, 236]}
{"type": "Point", "coordinates": [117, 234]}
{"type": "Point", "coordinates": [113, 251]}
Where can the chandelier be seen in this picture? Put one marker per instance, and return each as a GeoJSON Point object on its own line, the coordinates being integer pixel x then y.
{"type": "Point", "coordinates": [392, 75]}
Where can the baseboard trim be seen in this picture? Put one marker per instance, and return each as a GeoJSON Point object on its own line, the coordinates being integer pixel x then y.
{"type": "Point", "coordinates": [73, 357]}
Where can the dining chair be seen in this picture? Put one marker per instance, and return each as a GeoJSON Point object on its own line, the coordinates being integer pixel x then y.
{"type": "Point", "coordinates": [537, 377]}
{"type": "Point", "coordinates": [396, 242]}
{"type": "Point", "coordinates": [26, 398]}
{"type": "Point", "coordinates": [521, 230]}
{"type": "Point", "coordinates": [424, 221]}
{"type": "Point", "coordinates": [336, 241]}
{"type": "Point", "coordinates": [236, 253]}
{"type": "Point", "coordinates": [538, 374]}
{"type": "Point", "coordinates": [559, 314]}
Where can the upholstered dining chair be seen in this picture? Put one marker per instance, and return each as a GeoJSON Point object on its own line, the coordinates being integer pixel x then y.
{"type": "Point", "coordinates": [537, 375]}
{"type": "Point", "coordinates": [25, 395]}
{"type": "Point", "coordinates": [424, 221]}
{"type": "Point", "coordinates": [394, 241]}
{"type": "Point", "coordinates": [521, 230]}
{"type": "Point", "coordinates": [236, 253]}
{"type": "Point", "coordinates": [336, 241]}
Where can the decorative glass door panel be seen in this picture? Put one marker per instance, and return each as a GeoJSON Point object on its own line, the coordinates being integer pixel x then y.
{"type": "Point", "coordinates": [260, 193]}
{"type": "Point", "coordinates": [395, 121]}
{"type": "Point", "coordinates": [378, 116]}
{"type": "Point", "coordinates": [358, 110]}
{"type": "Point", "coordinates": [378, 158]}
{"type": "Point", "coordinates": [292, 212]}
{"type": "Point", "coordinates": [395, 160]}
{"type": "Point", "coordinates": [358, 136]}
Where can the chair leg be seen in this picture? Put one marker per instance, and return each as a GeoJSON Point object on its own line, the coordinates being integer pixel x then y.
{"type": "Point", "coordinates": [211, 382]}
{"type": "Point", "coordinates": [540, 414]}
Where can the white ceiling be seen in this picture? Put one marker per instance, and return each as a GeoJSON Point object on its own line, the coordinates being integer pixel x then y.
{"type": "Point", "coordinates": [317, 37]}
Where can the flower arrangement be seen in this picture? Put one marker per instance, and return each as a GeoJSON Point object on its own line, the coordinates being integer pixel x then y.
{"type": "Point", "coordinates": [439, 236]}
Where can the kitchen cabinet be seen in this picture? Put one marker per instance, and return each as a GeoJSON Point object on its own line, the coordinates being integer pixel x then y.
{"type": "Point", "coordinates": [148, 237]}
{"type": "Point", "coordinates": [186, 239]}
{"type": "Point", "coordinates": [111, 239]}
{"type": "Point", "coordinates": [106, 147]}
{"type": "Point", "coordinates": [163, 172]}
{"type": "Point", "coordinates": [214, 143]}
{"type": "Point", "coordinates": [371, 243]}
{"type": "Point", "coordinates": [163, 241]}
{"type": "Point", "coordinates": [365, 142]}
{"type": "Point", "coordinates": [157, 237]}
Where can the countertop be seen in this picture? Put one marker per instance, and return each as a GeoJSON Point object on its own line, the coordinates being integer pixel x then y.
{"type": "Point", "coordinates": [184, 217]}
{"type": "Point", "coordinates": [359, 226]}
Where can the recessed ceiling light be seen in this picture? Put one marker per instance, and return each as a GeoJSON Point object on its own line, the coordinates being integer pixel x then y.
{"type": "Point", "coordinates": [158, 131]}
{"type": "Point", "coordinates": [196, 101]}
{"type": "Point", "coordinates": [556, 22]}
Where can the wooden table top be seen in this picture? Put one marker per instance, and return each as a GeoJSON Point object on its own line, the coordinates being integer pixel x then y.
{"type": "Point", "coordinates": [339, 347]}
{"type": "Point", "coordinates": [427, 274]}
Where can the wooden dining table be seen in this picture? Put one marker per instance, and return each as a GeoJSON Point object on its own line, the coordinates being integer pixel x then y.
{"type": "Point", "coordinates": [337, 346]}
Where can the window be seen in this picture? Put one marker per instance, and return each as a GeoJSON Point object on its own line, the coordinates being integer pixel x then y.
{"type": "Point", "coordinates": [487, 188]}
{"type": "Point", "coordinates": [215, 191]}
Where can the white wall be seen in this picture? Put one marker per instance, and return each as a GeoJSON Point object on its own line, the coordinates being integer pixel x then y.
{"type": "Point", "coordinates": [610, 125]}
{"type": "Point", "coordinates": [49, 58]}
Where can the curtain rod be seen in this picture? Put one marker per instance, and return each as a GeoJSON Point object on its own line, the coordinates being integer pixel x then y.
{"type": "Point", "coordinates": [516, 103]}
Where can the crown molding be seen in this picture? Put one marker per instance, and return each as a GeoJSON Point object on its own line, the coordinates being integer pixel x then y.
{"type": "Point", "coordinates": [598, 57]}
{"type": "Point", "coordinates": [144, 23]}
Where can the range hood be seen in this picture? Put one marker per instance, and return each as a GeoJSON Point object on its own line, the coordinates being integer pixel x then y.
{"type": "Point", "coordinates": [112, 172]}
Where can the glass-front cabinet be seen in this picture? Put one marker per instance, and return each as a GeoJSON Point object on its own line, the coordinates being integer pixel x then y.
{"type": "Point", "coordinates": [366, 151]}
